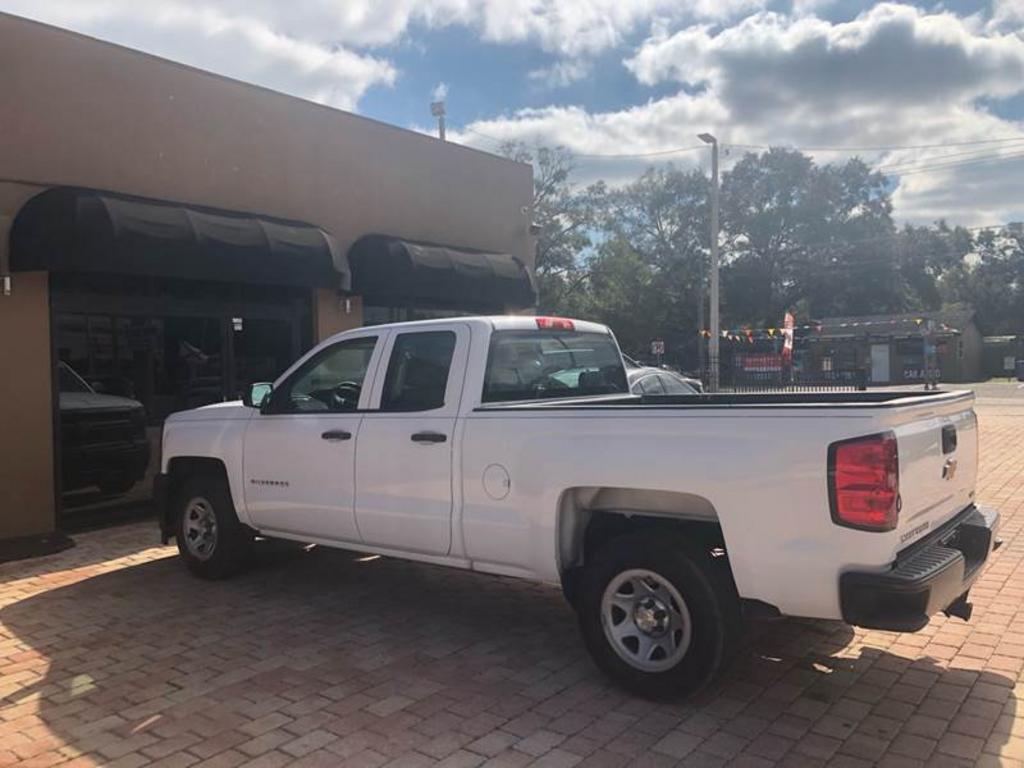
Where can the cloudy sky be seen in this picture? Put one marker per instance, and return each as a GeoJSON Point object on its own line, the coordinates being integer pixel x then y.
{"type": "Point", "coordinates": [931, 92]}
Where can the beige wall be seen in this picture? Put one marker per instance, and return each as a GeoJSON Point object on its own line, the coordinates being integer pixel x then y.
{"type": "Point", "coordinates": [26, 412]}
{"type": "Point", "coordinates": [333, 314]}
{"type": "Point", "coordinates": [26, 422]}
{"type": "Point", "coordinates": [80, 112]}
{"type": "Point", "coordinates": [77, 111]}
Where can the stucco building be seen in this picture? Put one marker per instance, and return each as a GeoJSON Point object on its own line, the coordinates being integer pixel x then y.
{"type": "Point", "coordinates": [170, 235]}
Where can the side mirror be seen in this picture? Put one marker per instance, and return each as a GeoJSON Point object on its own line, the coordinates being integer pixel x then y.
{"type": "Point", "coordinates": [257, 394]}
{"type": "Point", "coordinates": [98, 387]}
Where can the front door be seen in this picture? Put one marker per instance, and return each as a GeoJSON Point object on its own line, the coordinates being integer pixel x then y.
{"type": "Point", "coordinates": [880, 363]}
{"type": "Point", "coordinates": [299, 453]}
{"type": "Point", "coordinates": [405, 447]}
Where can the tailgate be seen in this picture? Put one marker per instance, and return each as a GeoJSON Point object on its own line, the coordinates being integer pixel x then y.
{"type": "Point", "coordinates": [938, 465]}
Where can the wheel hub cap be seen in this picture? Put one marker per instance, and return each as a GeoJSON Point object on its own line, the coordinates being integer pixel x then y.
{"type": "Point", "coordinates": [200, 528]}
{"type": "Point", "coordinates": [651, 616]}
{"type": "Point", "coordinates": [645, 620]}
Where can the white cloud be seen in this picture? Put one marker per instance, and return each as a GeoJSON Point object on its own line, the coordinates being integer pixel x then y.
{"type": "Point", "coordinates": [891, 54]}
{"type": "Point", "coordinates": [893, 76]}
{"type": "Point", "coordinates": [561, 73]}
{"type": "Point", "coordinates": [578, 27]}
{"type": "Point", "coordinates": [317, 48]}
{"type": "Point", "coordinates": [243, 47]}
{"type": "Point", "coordinates": [1007, 16]}
{"type": "Point", "coordinates": [440, 92]}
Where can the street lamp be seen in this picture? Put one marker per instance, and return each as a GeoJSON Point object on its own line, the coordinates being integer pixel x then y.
{"type": "Point", "coordinates": [707, 138]}
{"type": "Point", "coordinates": [437, 110]}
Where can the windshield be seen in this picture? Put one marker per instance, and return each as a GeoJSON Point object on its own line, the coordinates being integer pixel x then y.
{"type": "Point", "coordinates": [533, 365]}
{"type": "Point", "coordinates": [71, 381]}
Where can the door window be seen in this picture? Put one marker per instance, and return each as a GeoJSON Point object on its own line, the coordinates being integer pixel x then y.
{"type": "Point", "coordinates": [417, 374]}
{"type": "Point", "coordinates": [674, 386]}
{"type": "Point", "coordinates": [331, 381]}
{"type": "Point", "coordinates": [650, 385]}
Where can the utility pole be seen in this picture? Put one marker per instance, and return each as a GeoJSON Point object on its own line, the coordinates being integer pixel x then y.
{"type": "Point", "coordinates": [437, 110]}
{"type": "Point", "coordinates": [701, 319]}
{"type": "Point", "coordinates": [707, 138]}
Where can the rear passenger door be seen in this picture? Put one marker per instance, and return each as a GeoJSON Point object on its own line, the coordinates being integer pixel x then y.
{"type": "Point", "coordinates": [405, 445]}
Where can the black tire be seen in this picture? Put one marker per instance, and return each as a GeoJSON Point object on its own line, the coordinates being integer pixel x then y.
{"type": "Point", "coordinates": [229, 548]}
{"type": "Point", "coordinates": [705, 585]}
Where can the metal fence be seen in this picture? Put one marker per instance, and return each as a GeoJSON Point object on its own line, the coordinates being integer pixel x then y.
{"type": "Point", "coordinates": [735, 378]}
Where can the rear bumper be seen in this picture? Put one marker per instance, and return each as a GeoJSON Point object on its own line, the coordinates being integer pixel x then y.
{"type": "Point", "coordinates": [929, 576]}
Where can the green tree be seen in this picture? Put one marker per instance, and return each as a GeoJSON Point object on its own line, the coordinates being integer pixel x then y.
{"type": "Point", "coordinates": [656, 226]}
{"type": "Point", "coordinates": [932, 266]}
{"type": "Point", "coordinates": [798, 233]}
{"type": "Point", "coordinates": [564, 216]}
{"type": "Point", "coordinates": [623, 293]}
{"type": "Point", "coordinates": [816, 238]}
{"type": "Point", "coordinates": [994, 284]}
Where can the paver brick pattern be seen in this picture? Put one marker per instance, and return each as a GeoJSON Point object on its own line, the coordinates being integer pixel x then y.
{"type": "Point", "coordinates": [112, 654]}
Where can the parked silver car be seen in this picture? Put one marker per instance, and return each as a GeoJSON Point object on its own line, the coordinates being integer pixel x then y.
{"type": "Point", "coordinates": [659, 381]}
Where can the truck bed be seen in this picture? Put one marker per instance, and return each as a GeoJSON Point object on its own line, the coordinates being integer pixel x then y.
{"type": "Point", "coordinates": [881, 398]}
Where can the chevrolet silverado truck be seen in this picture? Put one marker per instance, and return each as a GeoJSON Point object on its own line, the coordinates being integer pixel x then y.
{"type": "Point", "coordinates": [513, 446]}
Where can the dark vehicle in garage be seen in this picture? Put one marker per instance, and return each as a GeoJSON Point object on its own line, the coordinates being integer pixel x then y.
{"type": "Point", "coordinates": [103, 437]}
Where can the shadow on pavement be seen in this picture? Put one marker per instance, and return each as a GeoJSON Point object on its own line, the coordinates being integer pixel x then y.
{"type": "Point", "coordinates": [133, 658]}
{"type": "Point", "coordinates": [119, 541]}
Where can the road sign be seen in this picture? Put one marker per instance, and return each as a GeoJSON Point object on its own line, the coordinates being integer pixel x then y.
{"type": "Point", "coordinates": [658, 347]}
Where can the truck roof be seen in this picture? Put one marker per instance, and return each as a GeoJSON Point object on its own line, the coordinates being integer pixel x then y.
{"type": "Point", "coordinates": [490, 322]}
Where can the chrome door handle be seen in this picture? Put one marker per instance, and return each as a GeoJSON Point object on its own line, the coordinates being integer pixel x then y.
{"type": "Point", "coordinates": [428, 437]}
{"type": "Point", "coordinates": [336, 435]}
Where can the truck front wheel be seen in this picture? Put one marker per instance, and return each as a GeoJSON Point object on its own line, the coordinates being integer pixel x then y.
{"type": "Point", "coordinates": [658, 613]}
{"type": "Point", "coordinates": [211, 540]}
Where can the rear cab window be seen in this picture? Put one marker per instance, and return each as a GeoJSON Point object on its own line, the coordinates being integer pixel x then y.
{"type": "Point", "coordinates": [543, 364]}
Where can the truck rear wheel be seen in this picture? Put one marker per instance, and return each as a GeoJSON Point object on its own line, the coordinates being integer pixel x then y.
{"type": "Point", "coordinates": [658, 613]}
{"type": "Point", "coordinates": [211, 540]}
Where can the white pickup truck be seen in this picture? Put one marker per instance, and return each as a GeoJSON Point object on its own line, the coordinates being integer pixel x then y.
{"type": "Point", "coordinates": [512, 446]}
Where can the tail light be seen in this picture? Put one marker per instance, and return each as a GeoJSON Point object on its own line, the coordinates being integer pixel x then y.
{"type": "Point", "coordinates": [864, 482]}
{"type": "Point", "coordinates": [555, 324]}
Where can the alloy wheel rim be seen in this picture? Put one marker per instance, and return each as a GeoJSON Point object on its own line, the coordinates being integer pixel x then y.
{"type": "Point", "coordinates": [200, 528]}
{"type": "Point", "coordinates": [645, 620]}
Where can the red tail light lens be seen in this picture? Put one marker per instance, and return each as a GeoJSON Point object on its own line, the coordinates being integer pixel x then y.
{"type": "Point", "coordinates": [555, 324]}
{"type": "Point", "coordinates": [864, 482]}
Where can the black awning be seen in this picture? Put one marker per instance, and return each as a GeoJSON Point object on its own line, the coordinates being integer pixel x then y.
{"type": "Point", "coordinates": [392, 270]}
{"type": "Point", "coordinates": [66, 229]}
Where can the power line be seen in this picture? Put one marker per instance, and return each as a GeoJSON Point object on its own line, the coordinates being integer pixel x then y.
{"type": "Point", "coordinates": [882, 148]}
{"type": "Point", "coordinates": [970, 153]}
{"type": "Point", "coordinates": [895, 168]}
{"type": "Point", "coordinates": [959, 164]}
{"type": "Point", "coordinates": [623, 155]}
{"type": "Point", "coordinates": [883, 238]}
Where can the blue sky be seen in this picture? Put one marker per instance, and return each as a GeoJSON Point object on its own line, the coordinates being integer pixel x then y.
{"type": "Point", "coordinates": [931, 92]}
{"type": "Point", "coordinates": [485, 80]}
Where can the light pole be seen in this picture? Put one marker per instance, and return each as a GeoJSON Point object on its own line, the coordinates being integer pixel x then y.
{"type": "Point", "coordinates": [437, 110]}
{"type": "Point", "coordinates": [707, 138]}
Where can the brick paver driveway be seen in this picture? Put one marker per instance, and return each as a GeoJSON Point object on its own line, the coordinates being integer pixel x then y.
{"type": "Point", "coordinates": [111, 654]}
